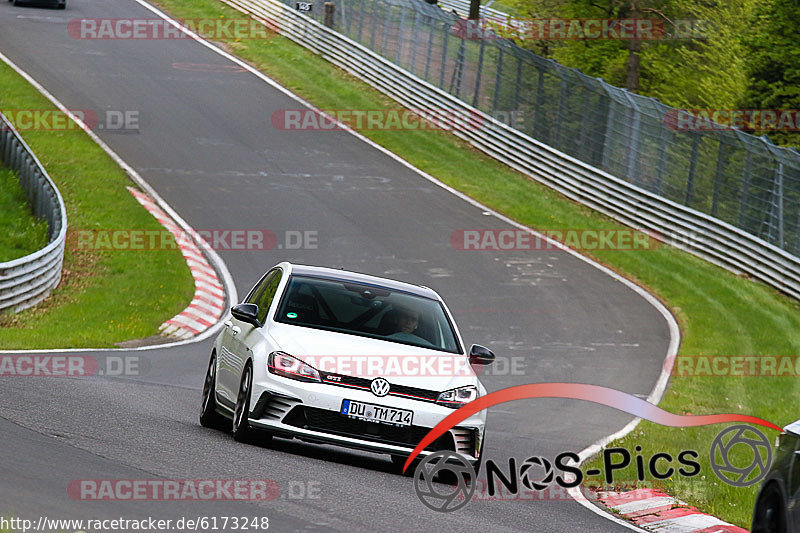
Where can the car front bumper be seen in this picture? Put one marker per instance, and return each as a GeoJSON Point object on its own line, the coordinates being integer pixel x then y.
{"type": "Point", "coordinates": [311, 412]}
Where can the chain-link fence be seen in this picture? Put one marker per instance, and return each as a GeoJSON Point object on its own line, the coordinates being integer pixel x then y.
{"type": "Point", "coordinates": [739, 178]}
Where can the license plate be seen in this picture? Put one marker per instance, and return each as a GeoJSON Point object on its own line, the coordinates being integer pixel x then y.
{"type": "Point", "coordinates": [377, 413]}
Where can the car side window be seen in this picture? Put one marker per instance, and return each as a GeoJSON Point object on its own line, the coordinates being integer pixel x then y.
{"type": "Point", "coordinates": [265, 292]}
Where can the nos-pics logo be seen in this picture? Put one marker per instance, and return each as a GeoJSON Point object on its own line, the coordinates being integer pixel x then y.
{"type": "Point", "coordinates": [445, 481]}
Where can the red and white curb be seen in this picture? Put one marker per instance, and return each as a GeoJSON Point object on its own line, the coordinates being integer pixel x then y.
{"type": "Point", "coordinates": [208, 303]}
{"type": "Point", "coordinates": [654, 510]}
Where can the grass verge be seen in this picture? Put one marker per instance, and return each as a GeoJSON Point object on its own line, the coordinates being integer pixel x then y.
{"type": "Point", "coordinates": [719, 313]}
{"type": "Point", "coordinates": [105, 296]}
{"type": "Point", "coordinates": [22, 233]}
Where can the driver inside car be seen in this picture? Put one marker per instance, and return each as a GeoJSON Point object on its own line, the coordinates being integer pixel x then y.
{"type": "Point", "coordinates": [405, 323]}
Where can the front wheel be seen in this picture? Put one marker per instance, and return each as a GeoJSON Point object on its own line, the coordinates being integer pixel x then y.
{"type": "Point", "coordinates": [209, 417]}
{"type": "Point", "coordinates": [769, 516]}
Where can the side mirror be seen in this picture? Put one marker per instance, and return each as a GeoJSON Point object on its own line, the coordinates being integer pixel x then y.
{"type": "Point", "coordinates": [480, 355]}
{"type": "Point", "coordinates": [247, 313]}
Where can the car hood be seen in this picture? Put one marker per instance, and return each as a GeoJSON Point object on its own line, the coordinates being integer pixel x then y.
{"type": "Point", "coordinates": [368, 358]}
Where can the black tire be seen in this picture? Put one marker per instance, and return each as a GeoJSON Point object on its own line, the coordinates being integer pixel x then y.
{"type": "Point", "coordinates": [209, 417]}
{"type": "Point", "coordinates": [769, 515]}
{"type": "Point", "coordinates": [242, 432]}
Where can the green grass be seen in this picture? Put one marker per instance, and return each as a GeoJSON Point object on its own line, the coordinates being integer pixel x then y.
{"type": "Point", "coordinates": [104, 297]}
{"type": "Point", "coordinates": [22, 233]}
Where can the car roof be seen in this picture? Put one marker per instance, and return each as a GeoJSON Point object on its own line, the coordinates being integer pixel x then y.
{"type": "Point", "coordinates": [356, 277]}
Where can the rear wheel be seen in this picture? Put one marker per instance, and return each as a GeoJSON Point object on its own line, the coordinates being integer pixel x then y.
{"type": "Point", "coordinates": [769, 516]}
{"type": "Point", "coordinates": [209, 417]}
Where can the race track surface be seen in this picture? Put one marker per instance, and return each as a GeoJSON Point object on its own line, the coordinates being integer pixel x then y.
{"type": "Point", "coordinates": [206, 144]}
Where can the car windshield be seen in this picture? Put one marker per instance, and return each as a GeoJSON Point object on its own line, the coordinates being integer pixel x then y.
{"type": "Point", "coordinates": [367, 311]}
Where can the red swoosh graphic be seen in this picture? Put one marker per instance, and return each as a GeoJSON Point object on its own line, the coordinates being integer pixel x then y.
{"type": "Point", "coordinates": [580, 391]}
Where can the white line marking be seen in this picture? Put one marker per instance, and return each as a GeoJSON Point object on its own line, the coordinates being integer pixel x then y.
{"type": "Point", "coordinates": [641, 505]}
{"type": "Point", "coordinates": [685, 524]}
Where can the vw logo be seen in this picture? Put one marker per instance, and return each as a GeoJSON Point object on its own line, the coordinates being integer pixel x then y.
{"type": "Point", "coordinates": [379, 387]}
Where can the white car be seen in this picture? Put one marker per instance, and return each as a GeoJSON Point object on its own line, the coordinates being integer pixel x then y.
{"type": "Point", "coordinates": [337, 357]}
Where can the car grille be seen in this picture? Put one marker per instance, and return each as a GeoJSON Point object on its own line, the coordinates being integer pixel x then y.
{"type": "Point", "coordinates": [465, 440]}
{"type": "Point", "coordinates": [414, 393]}
{"type": "Point", "coordinates": [326, 421]}
{"type": "Point", "coordinates": [272, 406]}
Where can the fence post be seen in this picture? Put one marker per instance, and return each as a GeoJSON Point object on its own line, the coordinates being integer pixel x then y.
{"type": "Point", "coordinates": [745, 193]}
{"type": "Point", "coordinates": [430, 49]}
{"type": "Point", "coordinates": [413, 61]}
{"type": "Point", "coordinates": [400, 32]}
{"type": "Point", "coordinates": [780, 204]}
{"type": "Point", "coordinates": [692, 164]}
{"type": "Point", "coordinates": [662, 158]}
{"type": "Point", "coordinates": [498, 79]}
{"type": "Point", "coordinates": [717, 177]}
{"type": "Point", "coordinates": [562, 98]}
{"type": "Point", "coordinates": [444, 56]}
{"type": "Point", "coordinates": [455, 80]}
{"type": "Point", "coordinates": [609, 133]}
{"type": "Point", "coordinates": [518, 83]}
{"type": "Point", "coordinates": [537, 117]}
{"type": "Point", "coordinates": [360, 19]}
{"type": "Point", "coordinates": [386, 26]}
{"type": "Point", "coordinates": [633, 150]}
{"type": "Point", "coordinates": [797, 237]}
{"type": "Point", "coordinates": [329, 14]}
{"type": "Point", "coordinates": [583, 142]}
{"type": "Point", "coordinates": [372, 21]}
{"type": "Point", "coordinates": [478, 74]}
{"type": "Point", "coordinates": [776, 198]}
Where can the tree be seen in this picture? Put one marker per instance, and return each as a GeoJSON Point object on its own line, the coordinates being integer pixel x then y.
{"type": "Point", "coordinates": [699, 65]}
{"type": "Point", "coordinates": [773, 63]}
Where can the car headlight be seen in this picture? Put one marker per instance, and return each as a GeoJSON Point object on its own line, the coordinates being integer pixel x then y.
{"type": "Point", "coordinates": [283, 364]}
{"type": "Point", "coordinates": [459, 397]}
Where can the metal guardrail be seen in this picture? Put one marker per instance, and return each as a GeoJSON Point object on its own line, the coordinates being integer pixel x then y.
{"type": "Point", "coordinates": [26, 281]}
{"type": "Point", "coordinates": [462, 8]}
{"type": "Point", "coordinates": [681, 226]}
{"type": "Point", "coordinates": [677, 154]}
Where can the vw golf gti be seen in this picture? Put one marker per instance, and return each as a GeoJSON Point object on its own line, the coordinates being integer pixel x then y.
{"type": "Point", "coordinates": [337, 357]}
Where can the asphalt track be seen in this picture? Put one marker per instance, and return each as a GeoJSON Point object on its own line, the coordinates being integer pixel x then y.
{"type": "Point", "coordinates": [205, 143]}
